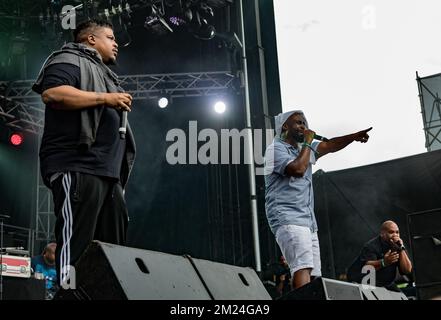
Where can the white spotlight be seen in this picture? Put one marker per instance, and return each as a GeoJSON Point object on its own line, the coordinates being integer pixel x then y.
{"type": "Point", "coordinates": [220, 107]}
{"type": "Point", "coordinates": [163, 102]}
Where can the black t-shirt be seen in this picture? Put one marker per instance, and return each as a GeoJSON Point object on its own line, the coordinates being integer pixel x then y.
{"type": "Point", "coordinates": [59, 151]}
{"type": "Point", "coordinates": [374, 250]}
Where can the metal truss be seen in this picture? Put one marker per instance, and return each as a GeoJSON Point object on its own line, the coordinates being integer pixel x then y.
{"type": "Point", "coordinates": [23, 109]}
{"type": "Point", "coordinates": [45, 217]}
{"type": "Point", "coordinates": [178, 85]}
{"type": "Point", "coordinates": [429, 93]}
{"type": "Point", "coordinates": [21, 115]}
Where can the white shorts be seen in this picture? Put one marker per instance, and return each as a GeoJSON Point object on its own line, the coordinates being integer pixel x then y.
{"type": "Point", "coordinates": [300, 247]}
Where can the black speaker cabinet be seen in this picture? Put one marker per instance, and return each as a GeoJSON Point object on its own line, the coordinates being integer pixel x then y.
{"type": "Point", "coordinates": [23, 288]}
{"type": "Point", "coordinates": [325, 289]}
{"type": "Point", "coordinates": [425, 238]}
{"type": "Point", "coordinates": [107, 271]}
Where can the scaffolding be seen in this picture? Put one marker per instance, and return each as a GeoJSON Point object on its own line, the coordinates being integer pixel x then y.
{"type": "Point", "coordinates": [44, 217]}
{"type": "Point", "coordinates": [22, 108]}
{"type": "Point", "coordinates": [429, 94]}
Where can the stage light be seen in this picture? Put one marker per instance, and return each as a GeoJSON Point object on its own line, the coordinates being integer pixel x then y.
{"type": "Point", "coordinates": [177, 21]}
{"type": "Point", "coordinates": [199, 27]}
{"type": "Point", "coordinates": [206, 11]}
{"type": "Point", "coordinates": [163, 102]}
{"type": "Point", "coordinates": [155, 22]}
{"type": "Point", "coordinates": [16, 139]}
{"type": "Point", "coordinates": [188, 15]}
{"type": "Point", "coordinates": [194, 15]}
{"type": "Point", "coordinates": [205, 31]}
{"type": "Point", "coordinates": [220, 107]}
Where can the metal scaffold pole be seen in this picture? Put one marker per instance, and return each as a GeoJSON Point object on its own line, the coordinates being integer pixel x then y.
{"type": "Point", "coordinates": [250, 149]}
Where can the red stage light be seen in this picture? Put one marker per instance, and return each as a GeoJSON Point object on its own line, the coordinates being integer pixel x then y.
{"type": "Point", "coordinates": [16, 139]}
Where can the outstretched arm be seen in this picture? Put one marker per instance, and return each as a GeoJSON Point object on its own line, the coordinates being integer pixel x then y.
{"type": "Point", "coordinates": [336, 144]}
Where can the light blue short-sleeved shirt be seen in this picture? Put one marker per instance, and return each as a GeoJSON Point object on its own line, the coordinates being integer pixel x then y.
{"type": "Point", "coordinates": [288, 200]}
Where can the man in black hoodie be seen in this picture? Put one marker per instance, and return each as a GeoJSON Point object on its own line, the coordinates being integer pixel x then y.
{"type": "Point", "coordinates": [83, 158]}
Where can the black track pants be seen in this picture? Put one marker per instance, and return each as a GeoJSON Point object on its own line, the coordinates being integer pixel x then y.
{"type": "Point", "coordinates": [87, 208]}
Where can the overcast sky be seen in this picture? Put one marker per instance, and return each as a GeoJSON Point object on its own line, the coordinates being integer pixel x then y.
{"type": "Point", "coordinates": [351, 64]}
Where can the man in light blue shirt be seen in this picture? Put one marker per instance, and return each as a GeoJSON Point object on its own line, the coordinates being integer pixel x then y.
{"type": "Point", "coordinates": [289, 195]}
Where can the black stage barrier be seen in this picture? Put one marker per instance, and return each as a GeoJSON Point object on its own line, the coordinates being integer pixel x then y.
{"type": "Point", "coordinates": [23, 288]}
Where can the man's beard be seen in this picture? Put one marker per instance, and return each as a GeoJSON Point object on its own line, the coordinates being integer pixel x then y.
{"type": "Point", "coordinates": [297, 136]}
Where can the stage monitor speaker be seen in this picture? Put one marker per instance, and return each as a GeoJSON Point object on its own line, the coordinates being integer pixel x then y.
{"type": "Point", "coordinates": [325, 289]}
{"type": "Point", "coordinates": [379, 293]}
{"type": "Point", "coordinates": [112, 272]}
{"type": "Point", "coordinates": [226, 282]}
{"type": "Point", "coordinates": [425, 238]}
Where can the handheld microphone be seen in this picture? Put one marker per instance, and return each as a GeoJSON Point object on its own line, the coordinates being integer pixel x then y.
{"type": "Point", "coordinates": [400, 245]}
{"type": "Point", "coordinates": [123, 125]}
{"type": "Point", "coordinates": [317, 137]}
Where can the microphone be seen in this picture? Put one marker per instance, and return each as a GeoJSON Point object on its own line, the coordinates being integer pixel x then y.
{"type": "Point", "coordinates": [400, 245]}
{"type": "Point", "coordinates": [123, 125]}
{"type": "Point", "coordinates": [317, 137]}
